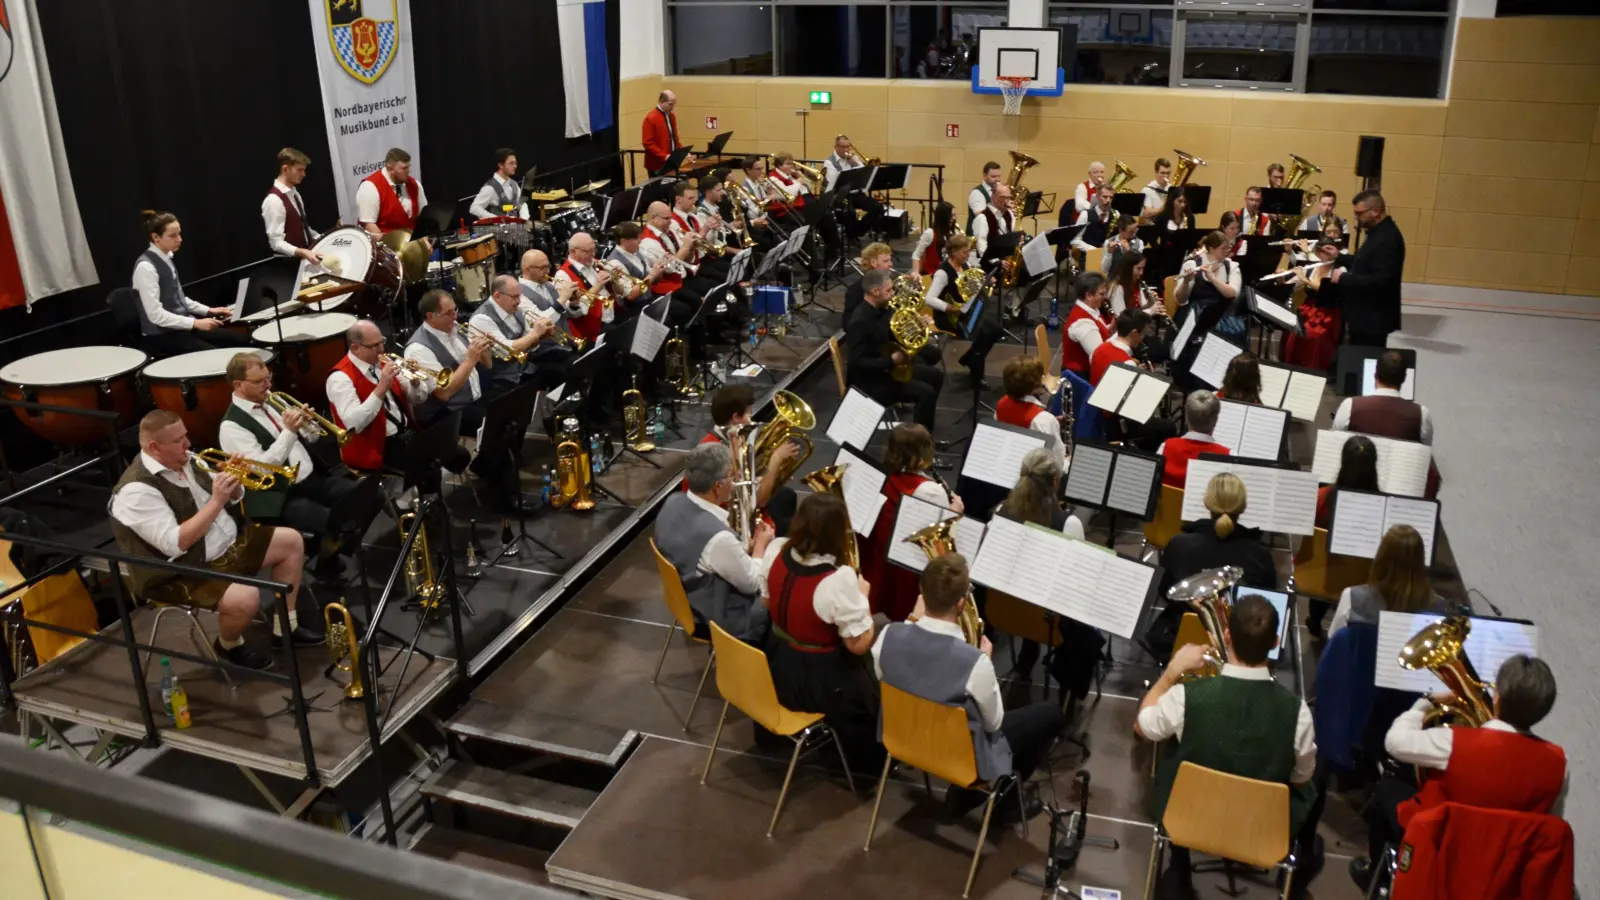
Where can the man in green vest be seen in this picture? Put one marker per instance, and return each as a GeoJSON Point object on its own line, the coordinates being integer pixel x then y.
{"type": "Point", "coordinates": [1242, 723]}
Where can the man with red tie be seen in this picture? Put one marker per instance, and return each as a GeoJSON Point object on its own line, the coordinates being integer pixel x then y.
{"type": "Point", "coordinates": [389, 199]}
{"type": "Point", "coordinates": [660, 135]}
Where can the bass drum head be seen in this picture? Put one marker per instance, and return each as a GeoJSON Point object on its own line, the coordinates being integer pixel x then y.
{"type": "Point", "coordinates": [346, 252]}
{"type": "Point", "coordinates": [75, 365]}
{"type": "Point", "coordinates": [201, 364]}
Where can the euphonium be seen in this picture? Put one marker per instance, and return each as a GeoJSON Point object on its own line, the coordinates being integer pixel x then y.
{"type": "Point", "coordinates": [317, 427]}
{"type": "Point", "coordinates": [830, 480]}
{"type": "Point", "coordinates": [252, 475]}
{"type": "Point", "coordinates": [746, 481]}
{"type": "Point", "coordinates": [1184, 170]}
{"type": "Point", "coordinates": [498, 348]}
{"type": "Point", "coordinates": [1208, 593]}
{"type": "Point", "coordinates": [635, 423]}
{"type": "Point", "coordinates": [1300, 169]}
{"type": "Point", "coordinates": [416, 370]}
{"type": "Point", "coordinates": [344, 643]}
{"type": "Point", "coordinates": [419, 566]}
{"type": "Point", "coordinates": [572, 468]}
{"type": "Point", "coordinates": [939, 539]}
{"type": "Point", "coordinates": [792, 417]}
{"type": "Point", "coordinates": [910, 334]}
{"type": "Point", "coordinates": [1120, 177]}
{"type": "Point", "coordinates": [1440, 647]}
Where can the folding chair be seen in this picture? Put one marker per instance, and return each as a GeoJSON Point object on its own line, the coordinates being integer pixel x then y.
{"type": "Point", "coordinates": [1256, 814]}
{"type": "Point", "coordinates": [683, 617]}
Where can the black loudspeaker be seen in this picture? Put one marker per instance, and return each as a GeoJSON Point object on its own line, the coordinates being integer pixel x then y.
{"type": "Point", "coordinates": [1369, 159]}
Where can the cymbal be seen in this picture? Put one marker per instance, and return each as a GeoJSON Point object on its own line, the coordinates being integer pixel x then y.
{"type": "Point", "coordinates": [591, 186]}
{"type": "Point", "coordinates": [566, 204]}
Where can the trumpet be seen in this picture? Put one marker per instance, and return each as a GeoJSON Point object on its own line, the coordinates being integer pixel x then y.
{"type": "Point", "coordinates": [622, 278]}
{"type": "Point", "coordinates": [316, 426]}
{"type": "Point", "coordinates": [559, 335]}
{"type": "Point", "coordinates": [252, 475]}
{"type": "Point", "coordinates": [498, 347]}
{"type": "Point", "coordinates": [419, 372]}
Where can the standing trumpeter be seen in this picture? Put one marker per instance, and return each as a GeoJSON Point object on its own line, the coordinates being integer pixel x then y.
{"type": "Point", "coordinates": [389, 199]}
{"type": "Point", "coordinates": [283, 211]}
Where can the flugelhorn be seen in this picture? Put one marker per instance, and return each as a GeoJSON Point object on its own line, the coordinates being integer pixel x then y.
{"type": "Point", "coordinates": [317, 426]}
{"type": "Point", "coordinates": [635, 420]}
{"type": "Point", "coordinates": [344, 643]}
{"type": "Point", "coordinates": [939, 539]}
{"type": "Point", "coordinates": [572, 468]}
{"type": "Point", "coordinates": [419, 372]}
{"type": "Point", "coordinates": [420, 578]}
{"type": "Point", "coordinates": [1208, 593]}
{"type": "Point", "coordinates": [558, 334]}
{"type": "Point", "coordinates": [252, 475]}
{"type": "Point", "coordinates": [498, 347]}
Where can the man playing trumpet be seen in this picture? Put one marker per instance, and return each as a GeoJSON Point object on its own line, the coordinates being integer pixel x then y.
{"type": "Point", "coordinates": [257, 428]}
{"type": "Point", "coordinates": [515, 324]}
{"type": "Point", "coordinates": [166, 507]}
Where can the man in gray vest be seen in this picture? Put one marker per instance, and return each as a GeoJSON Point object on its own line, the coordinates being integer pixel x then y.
{"type": "Point", "coordinates": [721, 576]}
{"type": "Point", "coordinates": [168, 508]}
{"type": "Point", "coordinates": [550, 298]}
{"type": "Point", "coordinates": [516, 321]}
{"type": "Point", "coordinates": [438, 344]}
{"type": "Point", "coordinates": [927, 656]}
{"type": "Point", "coordinates": [501, 195]}
{"type": "Point", "coordinates": [169, 322]}
{"type": "Point", "coordinates": [1242, 723]}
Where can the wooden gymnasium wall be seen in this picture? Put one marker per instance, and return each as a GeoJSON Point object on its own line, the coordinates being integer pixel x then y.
{"type": "Point", "coordinates": [1497, 187]}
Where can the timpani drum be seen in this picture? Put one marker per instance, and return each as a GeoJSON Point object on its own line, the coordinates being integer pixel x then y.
{"type": "Point", "coordinates": [87, 378]}
{"type": "Point", "coordinates": [308, 348]}
{"type": "Point", "coordinates": [195, 386]}
{"type": "Point", "coordinates": [351, 252]}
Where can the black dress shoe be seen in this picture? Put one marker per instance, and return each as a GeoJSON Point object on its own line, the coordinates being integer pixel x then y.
{"type": "Point", "coordinates": [1361, 872]}
{"type": "Point", "coordinates": [329, 568]}
{"type": "Point", "coordinates": [243, 657]}
{"type": "Point", "coordinates": [1008, 813]}
{"type": "Point", "coordinates": [1175, 884]}
{"type": "Point", "coordinates": [303, 636]}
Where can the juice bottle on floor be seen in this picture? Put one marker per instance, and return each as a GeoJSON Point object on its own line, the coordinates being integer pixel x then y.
{"type": "Point", "coordinates": [180, 706]}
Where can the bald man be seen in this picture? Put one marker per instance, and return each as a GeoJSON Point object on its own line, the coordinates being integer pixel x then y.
{"type": "Point", "coordinates": [1083, 194]}
{"type": "Point", "coordinates": [588, 286]}
{"type": "Point", "coordinates": [516, 321]}
{"type": "Point", "coordinates": [679, 277]}
{"type": "Point", "coordinates": [660, 134]}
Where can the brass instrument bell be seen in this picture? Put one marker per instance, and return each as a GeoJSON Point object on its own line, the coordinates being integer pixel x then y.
{"type": "Point", "coordinates": [939, 539]}
{"type": "Point", "coordinates": [420, 578]}
{"type": "Point", "coordinates": [792, 418]}
{"type": "Point", "coordinates": [572, 468]}
{"type": "Point", "coordinates": [1209, 593]}
{"type": "Point", "coordinates": [344, 647]}
{"type": "Point", "coordinates": [318, 425]}
{"type": "Point", "coordinates": [1120, 177]}
{"type": "Point", "coordinates": [1440, 647]}
{"type": "Point", "coordinates": [910, 334]}
{"type": "Point", "coordinates": [1184, 170]}
{"type": "Point", "coordinates": [440, 377]}
{"type": "Point", "coordinates": [252, 475]}
{"type": "Point", "coordinates": [635, 420]}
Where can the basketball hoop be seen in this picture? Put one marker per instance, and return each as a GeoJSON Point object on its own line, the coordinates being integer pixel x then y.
{"type": "Point", "coordinates": [1013, 88]}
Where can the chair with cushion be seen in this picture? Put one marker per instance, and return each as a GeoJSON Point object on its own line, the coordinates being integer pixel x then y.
{"type": "Point", "coordinates": [677, 599]}
{"type": "Point", "coordinates": [1256, 814]}
{"type": "Point", "coordinates": [1087, 423]}
{"type": "Point", "coordinates": [745, 682]}
{"type": "Point", "coordinates": [936, 738]}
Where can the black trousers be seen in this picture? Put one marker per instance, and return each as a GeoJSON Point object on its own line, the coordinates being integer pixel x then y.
{"type": "Point", "coordinates": [174, 342]}
{"type": "Point", "coordinates": [311, 502]}
{"type": "Point", "coordinates": [923, 390]}
{"type": "Point", "coordinates": [983, 337]}
{"type": "Point", "coordinates": [1030, 730]}
{"type": "Point", "coordinates": [870, 222]}
{"type": "Point", "coordinates": [1383, 826]}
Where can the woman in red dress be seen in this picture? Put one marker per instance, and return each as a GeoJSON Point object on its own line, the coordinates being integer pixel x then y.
{"type": "Point", "coordinates": [929, 252]}
{"type": "Point", "coordinates": [907, 456]}
{"type": "Point", "coordinates": [1320, 321]}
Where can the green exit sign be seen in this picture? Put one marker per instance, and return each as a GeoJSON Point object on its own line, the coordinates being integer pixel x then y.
{"type": "Point", "coordinates": [822, 97]}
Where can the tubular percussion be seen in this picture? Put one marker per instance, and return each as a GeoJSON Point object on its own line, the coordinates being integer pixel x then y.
{"type": "Point", "coordinates": [308, 348]}
{"type": "Point", "coordinates": [195, 386]}
{"type": "Point", "coordinates": [78, 377]}
{"type": "Point", "coordinates": [352, 253]}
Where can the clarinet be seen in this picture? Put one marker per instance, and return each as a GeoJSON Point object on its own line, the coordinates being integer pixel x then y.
{"type": "Point", "coordinates": [950, 496]}
{"type": "Point", "coordinates": [1065, 391]}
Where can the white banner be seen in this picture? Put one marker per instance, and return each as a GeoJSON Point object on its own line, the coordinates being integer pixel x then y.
{"type": "Point", "coordinates": [43, 251]}
{"type": "Point", "coordinates": [368, 88]}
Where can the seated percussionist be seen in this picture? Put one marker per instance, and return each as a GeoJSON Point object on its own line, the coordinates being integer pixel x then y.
{"type": "Point", "coordinates": [169, 322]}
{"type": "Point", "coordinates": [254, 430]}
{"type": "Point", "coordinates": [165, 507]}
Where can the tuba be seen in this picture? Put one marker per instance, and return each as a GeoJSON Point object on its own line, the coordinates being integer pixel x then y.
{"type": "Point", "coordinates": [1121, 177]}
{"type": "Point", "coordinates": [1440, 647]}
{"type": "Point", "coordinates": [1184, 170]}
{"type": "Point", "coordinates": [1208, 593]}
{"type": "Point", "coordinates": [1020, 164]}
{"type": "Point", "coordinates": [910, 334]}
{"type": "Point", "coordinates": [939, 539]}
{"type": "Point", "coordinates": [1300, 169]}
{"type": "Point", "coordinates": [830, 480]}
{"type": "Point", "coordinates": [252, 475]}
{"type": "Point", "coordinates": [344, 643]}
{"type": "Point", "coordinates": [420, 577]}
{"type": "Point", "coordinates": [793, 418]}
{"type": "Point", "coordinates": [572, 468]}
{"type": "Point", "coordinates": [635, 421]}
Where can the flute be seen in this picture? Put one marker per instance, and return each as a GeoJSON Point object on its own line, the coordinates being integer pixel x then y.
{"type": "Point", "coordinates": [1303, 271]}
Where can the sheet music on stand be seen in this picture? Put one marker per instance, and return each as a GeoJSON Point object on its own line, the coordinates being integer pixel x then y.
{"type": "Point", "coordinates": [1212, 363]}
{"type": "Point", "coordinates": [1065, 576]}
{"type": "Point", "coordinates": [1292, 388]}
{"type": "Point", "coordinates": [738, 265]}
{"type": "Point", "coordinates": [855, 421]}
{"type": "Point", "coordinates": [648, 335]}
{"type": "Point", "coordinates": [797, 238]}
{"type": "Point", "coordinates": [1280, 500]}
{"type": "Point", "coordinates": [1362, 518]}
{"type": "Point", "coordinates": [1489, 644]}
{"type": "Point", "coordinates": [916, 514]}
{"type": "Point", "coordinates": [994, 455]}
{"type": "Point", "coordinates": [1037, 257]}
{"type": "Point", "coordinates": [1249, 430]}
{"type": "Point", "coordinates": [1180, 341]}
{"type": "Point", "coordinates": [1272, 312]}
{"type": "Point", "coordinates": [1130, 392]}
{"type": "Point", "coordinates": [1402, 465]}
{"type": "Point", "coordinates": [863, 490]}
{"type": "Point", "coordinates": [1369, 380]}
{"type": "Point", "coordinates": [1116, 478]}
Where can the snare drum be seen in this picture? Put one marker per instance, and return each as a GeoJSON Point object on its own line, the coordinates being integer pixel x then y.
{"type": "Point", "coordinates": [352, 253]}
{"type": "Point", "coordinates": [195, 386]}
{"type": "Point", "coordinates": [478, 249]}
{"type": "Point", "coordinates": [308, 349]}
{"type": "Point", "coordinates": [79, 377]}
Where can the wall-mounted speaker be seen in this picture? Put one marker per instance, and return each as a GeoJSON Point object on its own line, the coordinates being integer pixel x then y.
{"type": "Point", "coordinates": [1369, 158]}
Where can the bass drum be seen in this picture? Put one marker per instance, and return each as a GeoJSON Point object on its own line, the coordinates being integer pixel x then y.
{"type": "Point", "coordinates": [195, 386]}
{"type": "Point", "coordinates": [87, 378]}
{"type": "Point", "coordinates": [308, 348]}
{"type": "Point", "coordinates": [352, 253]}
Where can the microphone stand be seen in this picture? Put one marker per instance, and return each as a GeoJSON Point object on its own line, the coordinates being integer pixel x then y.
{"type": "Point", "coordinates": [1068, 836]}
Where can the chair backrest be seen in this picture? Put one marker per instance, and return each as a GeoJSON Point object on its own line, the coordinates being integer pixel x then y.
{"type": "Point", "coordinates": [744, 680]}
{"type": "Point", "coordinates": [838, 363]}
{"type": "Point", "coordinates": [1012, 616]}
{"type": "Point", "coordinates": [1092, 259]}
{"type": "Point", "coordinates": [1169, 287]}
{"type": "Point", "coordinates": [672, 590]}
{"type": "Point", "coordinates": [1230, 816]}
{"type": "Point", "coordinates": [1041, 346]}
{"type": "Point", "coordinates": [1169, 517]}
{"type": "Point", "coordinates": [1317, 573]}
{"type": "Point", "coordinates": [1087, 423]}
{"type": "Point", "coordinates": [59, 600]}
{"type": "Point", "coordinates": [933, 737]}
{"type": "Point", "coordinates": [1190, 631]}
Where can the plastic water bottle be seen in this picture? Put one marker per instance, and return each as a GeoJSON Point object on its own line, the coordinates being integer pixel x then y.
{"type": "Point", "coordinates": [658, 427]}
{"type": "Point", "coordinates": [594, 455]}
{"type": "Point", "coordinates": [753, 338]}
{"type": "Point", "coordinates": [1055, 314]}
{"type": "Point", "coordinates": [544, 492]}
{"type": "Point", "coordinates": [168, 682]}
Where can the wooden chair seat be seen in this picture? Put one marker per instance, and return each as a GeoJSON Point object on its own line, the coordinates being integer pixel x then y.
{"type": "Point", "coordinates": [1168, 522]}
{"type": "Point", "coordinates": [677, 600]}
{"type": "Point", "coordinates": [1324, 575]}
{"type": "Point", "coordinates": [1256, 814]}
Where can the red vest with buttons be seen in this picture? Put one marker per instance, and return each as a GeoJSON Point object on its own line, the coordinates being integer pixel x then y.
{"type": "Point", "coordinates": [1020, 413]}
{"type": "Point", "coordinates": [1179, 452]}
{"type": "Point", "coordinates": [1105, 356]}
{"type": "Point", "coordinates": [1494, 769]}
{"type": "Point", "coordinates": [791, 590]}
{"type": "Point", "coordinates": [587, 327]}
{"type": "Point", "coordinates": [669, 281]}
{"type": "Point", "coordinates": [365, 449]}
{"type": "Point", "coordinates": [1072, 356]}
{"type": "Point", "coordinates": [894, 588]}
{"type": "Point", "coordinates": [392, 216]}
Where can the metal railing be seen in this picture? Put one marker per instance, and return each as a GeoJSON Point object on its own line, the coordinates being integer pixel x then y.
{"type": "Point", "coordinates": [108, 458]}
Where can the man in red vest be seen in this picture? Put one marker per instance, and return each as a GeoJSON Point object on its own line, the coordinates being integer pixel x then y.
{"type": "Point", "coordinates": [389, 199]}
{"type": "Point", "coordinates": [1200, 413]}
{"type": "Point", "coordinates": [284, 212]}
{"type": "Point", "coordinates": [1500, 765]}
{"type": "Point", "coordinates": [660, 134]}
{"type": "Point", "coordinates": [1088, 325]}
{"type": "Point", "coordinates": [372, 398]}
{"type": "Point", "coordinates": [1129, 335]}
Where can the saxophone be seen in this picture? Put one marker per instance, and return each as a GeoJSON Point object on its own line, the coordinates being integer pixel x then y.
{"type": "Point", "coordinates": [635, 421]}
{"type": "Point", "coordinates": [939, 539]}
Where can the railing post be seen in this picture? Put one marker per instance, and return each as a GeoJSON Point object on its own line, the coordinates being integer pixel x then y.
{"type": "Point", "coordinates": [454, 600]}
{"type": "Point", "coordinates": [369, 703]}
{"type": "Point", "coordinates": [296, 692]}
{"type": "Point", "coordinates": [152, 737]}
{"type": "Point", "coordinates": [8, 673]}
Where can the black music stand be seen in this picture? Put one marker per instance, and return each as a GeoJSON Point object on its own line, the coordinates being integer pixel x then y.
{"type": "Point", "coordinates": [1347, 367]}
{"type": "Point", "coordinates": [506, 422]}
{"type": "Point", "coordinates": [821, 207]}
{"type": "Point", "coordinates": [623, 335]}
{"type": "Point", "coordinates": [717, 143]}
{"type": "Point", "coordinates": [1199, 197]}
{"type": "Point", "coordinates": [674, 162]}
{"type": "Point", "coordinates": [623, 206]}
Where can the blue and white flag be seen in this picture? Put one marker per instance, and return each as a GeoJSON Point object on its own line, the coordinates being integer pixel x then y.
{"type": "Point", "coordinates": [585, 69]}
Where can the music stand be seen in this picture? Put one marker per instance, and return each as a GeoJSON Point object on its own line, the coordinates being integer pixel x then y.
{"type": "Point", "coordinates": [1283, 202]}
{"type": "Point", "coordinates": [623, 206]}
{"type": "Point", "coordinates": [506, 421]}
{"type": "Point", "coordinates": [622, 336]}
{"type": "Point", "coordinates": [889, 177]}
{"type": "Point", "coordinates": [1129, 203]}
{"type": "Point", "coordinates": [1058, 238]}
{"type": "Point", "coordinates": [585, 370]}
{"type": "Point", "coordinates": [1199, 197]}
{"type": "Point", "coordinates": [674, 162]}
{"type": "Point", "coordinates": [820, 206]}
{"type": "Point", "coordinates": [1347, 368]}
{"type": "Point", "coordinates": [717, 143]}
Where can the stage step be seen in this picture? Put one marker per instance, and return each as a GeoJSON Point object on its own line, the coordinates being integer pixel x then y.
{"type": "Point", "coordinates": [517, 796]}
{"type": "Point", "coordinates": [544, 732]}
{"type": "Point", "coordinates": [484, 854]}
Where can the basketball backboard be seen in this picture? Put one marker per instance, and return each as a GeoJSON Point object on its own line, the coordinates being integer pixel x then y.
{"type": "Point", "coordinates": [1033, 53]}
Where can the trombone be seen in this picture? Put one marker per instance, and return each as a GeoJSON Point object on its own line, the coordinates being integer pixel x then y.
{"type": "Point", "coordinates": [418, 372]}
{"type": "Point", "coordinates": [252, 475]}
{"type": "Point", "coordinates": [498, 347]}
{"type": "Point", "coordinates": [315, 425]}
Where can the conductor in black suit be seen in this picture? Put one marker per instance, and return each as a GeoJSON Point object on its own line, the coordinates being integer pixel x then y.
{"type": "Point", "coordinates": [1370, 279]}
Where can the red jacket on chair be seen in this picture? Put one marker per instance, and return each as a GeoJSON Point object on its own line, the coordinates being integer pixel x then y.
{"type": "Point", "coordinates": [1454, 851]}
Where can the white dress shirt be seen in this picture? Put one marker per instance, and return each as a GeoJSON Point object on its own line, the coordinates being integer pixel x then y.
{"type": "Point", "coordinates": [977, 201]}
{"type": "Point", "coordinates": [1117, 299]}
{"type": "Point", "coordinates": [1247, 223]}
{"type": "Point", "coordinates": [1155, 195]}
{"type": "Point", "coordinates": [930, 492]}
{"type": "Point", "coordinates": [980, 229]}
{"type": "Point", "coordinates": [924, 241]}
{"type": "Point", "coordinates": [838, 599]}
{"type": "Point", "coordinates": [1234, 278]}
{"type": "Point", "coordinates": [696, 225]}
{"type": "Point", "coordinates": [556, 312]}
{"type": "Point", "coordinates": [982, 684]}
{"type": "Point", "coordinates": [1085, 333]}
{"type": "Point", "coordinates": [273, 215]}
{"type": "Point", "coordinates": [834, 164]}
{"type": "Point", "coordinates": [456, 344]}
{"type": "Point", "coordinates": [655, 246]}
{"type": "Point", "coordinates": [143, 509]}
{"type": "Point", "coordinates": [1049, 427]}
{"type": "Point", "coordinates": [356, 414]}
{"type": "Point", "coordinates": [1408, 742]}
{"type": "Point", "coordinates": [488, 316]}
{"type": "Point", "coordinates": [724, 555]}
{"type": "Point", "coordinates": [286, 449]}
{"type": "Point", "coordinates": [148, 284]}
{"type": "Point", "coordinates": [367, 201]}
{"type": "Point", "coordinates": [937, 282]}
{"type": "Point", "coordinates": [1083, 196]}
{"type": "Point", "coordinates": [590, 276]}
{"type": "Point", "coordinates": [792, 189]}
{"type": "Point", "coordinates": [1093, 214]}
{"type": "Point", "coordinates": [1110, 255]}
{"type": "Point", "coordinates": [1341, 416]}
{"type": "Point", "coordinates": [1164, 719]}
{"type": "Point", "coordinates": [489, 204]}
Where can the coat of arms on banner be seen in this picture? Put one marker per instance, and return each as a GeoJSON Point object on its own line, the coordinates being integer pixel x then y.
{"type": "Point", "coordinates": [363, 45]}
{"type": "Point", "coordinates": [6, 41]}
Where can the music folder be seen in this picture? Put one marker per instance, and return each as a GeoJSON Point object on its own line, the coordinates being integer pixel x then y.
{"type": "Point", "coordinates": [717, 143]}
{"type": "Point", "coordinates": [994, 455]}
{"type": "Point", "coordinates": [1129, 203]}
{"type": "Point", "coordinates": [1130, 392]}
{"type": "Point", "coordinates": [1199, 197]}
{"type": "Point", "coordinates": [1347, 369]}
{"type": "Point", "coordinates": [674, 161]}
{"type": "Point", "coordinates": [890, 176]}
{"type": "Point", "coordinates": [1361, 519]}
{"type": "Point", "coordinates": [1402, 465]}
{"type": "Point", "coordinates": [1249, 430]}
{"type": "Point", "coordinates": [1211, 365]}
{"type": "Point", "coordinates": [851, 180]}
{"type": "Point", "coordinates": [1279, 497]}
{"type": "Point", "coordinates": [1489, 644]}
{"type": "Point", "coordinates": [1119, 479]}
{"type": "Point", "coordinates": [856, 420]}
{"type": "Point", "coordinates": [1292, 388]}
